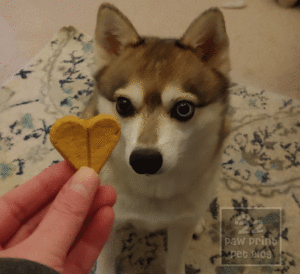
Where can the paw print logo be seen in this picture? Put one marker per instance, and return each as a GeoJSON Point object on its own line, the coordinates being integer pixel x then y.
{"type": "Point", "coordinates": [244, 221]}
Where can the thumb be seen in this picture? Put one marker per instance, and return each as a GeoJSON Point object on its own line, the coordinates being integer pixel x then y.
{"type": "Point", "coordinates": [66, 215]}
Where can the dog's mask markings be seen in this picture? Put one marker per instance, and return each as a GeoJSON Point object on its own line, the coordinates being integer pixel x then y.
{"type": "Point", "coordinates": [133, 92]}
{"type": "Point", "coordinates": [152, 100]}
{"type": "Point", "coordinates": [155, 74]}
{"type": "Point", "coordinates": [148, 130]}
{"type": "Point", "coordinates": [173, 94]}
{"type": "Point", "coordinates": [189, 62]}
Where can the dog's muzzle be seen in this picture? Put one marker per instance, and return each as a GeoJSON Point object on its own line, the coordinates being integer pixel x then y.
{"type": "Point", "coordinates": [146, 161]}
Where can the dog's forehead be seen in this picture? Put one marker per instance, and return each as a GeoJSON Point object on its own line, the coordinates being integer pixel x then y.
{"type": "Point", "coordinates": [160, 69]}
{"type": "Point", "coordinates": [161, 61]}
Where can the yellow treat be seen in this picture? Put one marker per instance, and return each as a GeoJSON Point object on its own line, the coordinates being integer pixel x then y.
{"type": "Point", "coordinates": [86, 142]}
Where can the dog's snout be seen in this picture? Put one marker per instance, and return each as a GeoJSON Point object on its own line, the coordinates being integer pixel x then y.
{"type": "Point", "coordinates": [146, 161]}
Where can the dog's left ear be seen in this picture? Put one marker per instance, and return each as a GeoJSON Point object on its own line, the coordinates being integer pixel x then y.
{"type": "Point", "coordinates": [207, 36]}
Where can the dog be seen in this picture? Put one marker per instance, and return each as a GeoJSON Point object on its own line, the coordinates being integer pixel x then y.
{"type": "Point", "coordinates": [171, 98]}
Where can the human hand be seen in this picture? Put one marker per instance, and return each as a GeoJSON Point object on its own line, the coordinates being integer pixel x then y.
{"type": "Point", "coordinates": [66, 232]}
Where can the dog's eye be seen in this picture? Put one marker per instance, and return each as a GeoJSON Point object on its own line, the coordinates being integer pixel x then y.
{"type": "Point", "coordinates": [124, 107]}
{"type": "Point", "coordinates": [183, 111]}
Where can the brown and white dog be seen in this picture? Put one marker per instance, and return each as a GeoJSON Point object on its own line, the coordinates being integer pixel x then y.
{"type": "Point", "coordinates": [170, 97]}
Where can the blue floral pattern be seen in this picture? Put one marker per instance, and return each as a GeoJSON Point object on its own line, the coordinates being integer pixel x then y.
{"type": "Point", "coordinates": [261, 159]}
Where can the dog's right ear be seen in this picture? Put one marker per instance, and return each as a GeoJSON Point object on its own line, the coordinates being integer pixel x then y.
{"type": "Point", "coordinates": [207, 37]}
{"type": "Point", "coordinates": [113, 32]}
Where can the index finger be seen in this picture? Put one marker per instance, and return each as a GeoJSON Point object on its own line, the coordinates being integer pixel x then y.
{"type": "Point", "coordinates": [21, 202]}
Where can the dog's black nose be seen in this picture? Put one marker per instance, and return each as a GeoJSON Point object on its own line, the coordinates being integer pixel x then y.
{"type": "Point", "coordinates": [146, 161]}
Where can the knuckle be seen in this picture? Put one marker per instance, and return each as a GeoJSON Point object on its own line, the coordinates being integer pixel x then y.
{"type": "Point", "coordinates": [68, 208]}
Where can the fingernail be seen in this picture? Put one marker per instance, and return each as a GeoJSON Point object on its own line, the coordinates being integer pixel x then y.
{"type": "Point", "coordinates": [85, 181]}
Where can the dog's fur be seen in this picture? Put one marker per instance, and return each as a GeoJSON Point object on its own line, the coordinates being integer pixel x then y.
{"type": "Point", "coordinates": [155, 74]}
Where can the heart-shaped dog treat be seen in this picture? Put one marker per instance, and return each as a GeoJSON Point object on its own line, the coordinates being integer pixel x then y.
{"type": "Point", "coordinates": [86, 142]}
